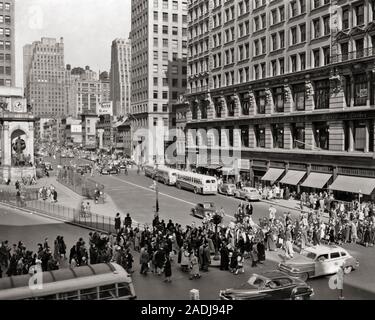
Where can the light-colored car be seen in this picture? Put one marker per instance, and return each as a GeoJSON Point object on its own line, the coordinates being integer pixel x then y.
{"type": "Point", "coordinates": [248, 193]}
{"type": "Point", "coordinates": [318, 261]}
{"type": "Point", "coordinates": [227, 189]}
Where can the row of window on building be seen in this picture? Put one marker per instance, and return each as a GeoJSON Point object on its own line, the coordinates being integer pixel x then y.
{"type": "Point", "coordinates": [358, 136]}
{"type": "Point", "coordinates": [296, 8]}
{"type": "Point", "coordinates": [5, 6]}
{"type": "Point", "coordinates": [297, 62]}
{"type": "Point", "coordinates": [165, 17]}
{"type": "Point", "coordinates": [359, 90]}
{"type": "Point", "coordinates": [176, 83]}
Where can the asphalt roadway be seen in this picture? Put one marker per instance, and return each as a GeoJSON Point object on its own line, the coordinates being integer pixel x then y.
{"type": "Point", "coordinates": [132, 193]}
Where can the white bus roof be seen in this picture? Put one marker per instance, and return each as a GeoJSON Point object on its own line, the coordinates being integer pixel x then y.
{"type": "Point", "coordinates": [196, 175]}
{"type": "Point", "coordinates": [60, 275]}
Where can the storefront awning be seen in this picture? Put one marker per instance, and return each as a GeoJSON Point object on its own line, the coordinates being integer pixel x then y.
{"type": "Point", "coordinates": [292, 177]}
{"type": "Point", "coordinates": [316, 180]}
{"type": "Point", "coordinates": [353, 184]}
{"type": "Point", "coordinates": [273, 174]}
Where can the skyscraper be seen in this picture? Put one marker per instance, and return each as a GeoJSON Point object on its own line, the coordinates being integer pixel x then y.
{"type": "Point", "coordinates": [159, 49]}
{"type": "Point", "coordinates": [120, 76]}
{"type": "Point", "coordinates": [44, 77]}
{"type": "Point", "coordinates": [7, 51]}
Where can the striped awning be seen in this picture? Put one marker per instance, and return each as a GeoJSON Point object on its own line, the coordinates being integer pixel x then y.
{"type": "Point", "coordinates": [293, 177]}
{"type": "Point", "coordinates": [272, 174]}
{"type": "Point", "coordinates": [353, 184]}
{"type": "Point", "coordinates": [316, 180]}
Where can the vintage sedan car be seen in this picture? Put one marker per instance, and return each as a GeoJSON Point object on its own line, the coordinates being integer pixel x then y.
{"type": "Point", "coordinates": [227, 189]}
{"type": "Point", "coordinates": [248, 194]}
{"type": "Point", "coordinates": [318, 261]}
{"type": "Point", "coordinates": [269, 285]}
{"type": "Point", "coordinates": [202, 209]}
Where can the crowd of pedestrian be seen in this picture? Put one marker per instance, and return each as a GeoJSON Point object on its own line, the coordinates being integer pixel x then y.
{"type": "Point", "coordinates": [48, 193]}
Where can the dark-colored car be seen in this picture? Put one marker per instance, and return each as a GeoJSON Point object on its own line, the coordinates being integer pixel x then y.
{"type": "Point", "coordinates": [201, 209]}
{"type": "Point", "coordinates": [109, 170]}
{"type": "Point", "coordinates": [271, 285]}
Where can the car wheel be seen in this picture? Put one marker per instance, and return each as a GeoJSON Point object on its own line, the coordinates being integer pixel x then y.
{"type": "Point", "coordinates": [348, 269]}
{"type": "Point", "coordinates": [304, 276]}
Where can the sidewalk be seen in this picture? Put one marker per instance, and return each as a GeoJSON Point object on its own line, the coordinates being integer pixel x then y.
{"type": "Point", "coordinates": [291, 204]}
{"type": "Point", "coordinates": [70, 199]}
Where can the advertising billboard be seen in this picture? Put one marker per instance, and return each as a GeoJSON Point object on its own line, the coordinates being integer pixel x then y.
{"type": "Point", "coordinates": [104, 108]}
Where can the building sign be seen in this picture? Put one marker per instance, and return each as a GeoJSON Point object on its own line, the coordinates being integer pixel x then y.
{"type": "Point", "coordinates": [362, 93]}
{"type": "Point", "coordinates": [105, 108]}
{"type": "Point", "coordinates": [91, 141]}
{"type": "Point", "coordinates": [244, 164]}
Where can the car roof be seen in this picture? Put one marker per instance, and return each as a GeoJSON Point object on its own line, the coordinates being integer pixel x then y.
{"type": "Point", "coordinates": [272, 274]}
{"type": "Point", "coordinates": [323, 248]}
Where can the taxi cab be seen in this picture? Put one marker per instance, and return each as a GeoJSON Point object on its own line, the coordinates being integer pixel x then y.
{"type": "Point", "coordinates": [318, 261]}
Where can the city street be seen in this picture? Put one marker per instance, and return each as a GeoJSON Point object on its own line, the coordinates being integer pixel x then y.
{"type": "Point", "coordinates": [132, 193]}
{"type": "Point", "coordinates": [32, 229]}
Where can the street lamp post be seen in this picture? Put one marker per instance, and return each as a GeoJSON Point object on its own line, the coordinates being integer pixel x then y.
{"type": "Point", "coordinates": [157, 193]}
{"type": "Point", "coordinates": [216, 220]}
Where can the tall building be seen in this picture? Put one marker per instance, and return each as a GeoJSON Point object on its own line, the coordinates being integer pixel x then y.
{"type": "Point", "coordinates": [120, 76]}
{"type": "Point", "coordinates": [45, 77]}
{"type": "Point", "coordinates": [7, 46]}
{"type": "Point", "coordinates": [86, 91]}
{"type": "Point", "coordinates": [284, 91]}
{"type": "Point", "coordinates": [158, 78]}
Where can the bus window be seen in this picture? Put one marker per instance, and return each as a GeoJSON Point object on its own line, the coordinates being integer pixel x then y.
{"type": "Point", "coordinates": [89, 294]}
{"type": "Point", "coordinates": [49, 297]}
{"type": "Point", "coordinates": [213, 181]}
{"type": "Point", "coordinates": [107, 292]}
{"type": "Point", "coordinates": [72, 295]}
{"type": "Point", "coordinates": [123, 289]}
{"type": "Point", "coordinates": [208, 181]}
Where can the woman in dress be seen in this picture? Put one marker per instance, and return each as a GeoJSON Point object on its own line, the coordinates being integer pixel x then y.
{"type": "Point", "coordinates": [194, 266]}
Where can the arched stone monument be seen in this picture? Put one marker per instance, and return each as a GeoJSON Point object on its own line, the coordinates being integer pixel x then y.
{"type": "Point", "coordinates": [16, 136]}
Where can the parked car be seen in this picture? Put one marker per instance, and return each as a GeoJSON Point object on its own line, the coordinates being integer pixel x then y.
{"type": "Point", "coordinates": [227, 189]}
{"type": "Point", "coordinates": [318, 261]}
{"type": "Point", "coordinates": [248, 193]}
{"type": "Point", "coordinates": [269, 285]}
{"type": "Point", "coordinates": [201, 209]}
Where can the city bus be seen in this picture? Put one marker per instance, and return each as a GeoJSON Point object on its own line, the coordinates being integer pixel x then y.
{"type": "Point", "coordinates": [149, 171]}
{"type": "Point", "coordinates": [166, 175]}
{"type": "Point", "coordinates": [103, 281]}
{"type": "Point", "coordinates": [198, 183]}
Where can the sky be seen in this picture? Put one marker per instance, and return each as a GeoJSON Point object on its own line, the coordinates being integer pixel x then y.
{"type": "Point", "coordinates": [87, 26]}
